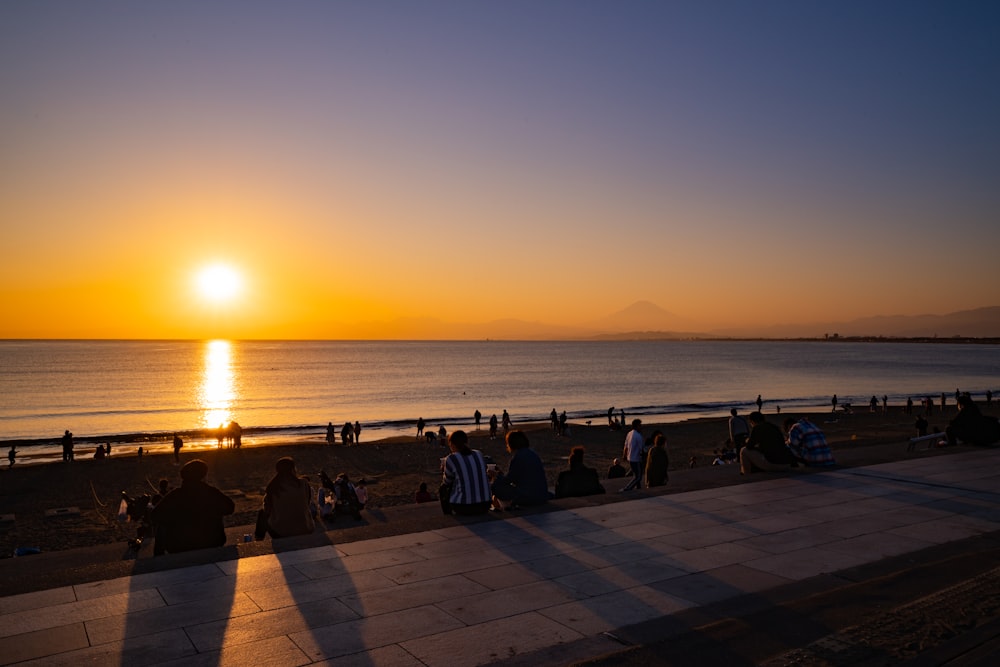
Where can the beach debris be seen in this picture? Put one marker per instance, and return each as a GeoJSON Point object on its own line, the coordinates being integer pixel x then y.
{"type": "Point", "coordinates": [62, 511]}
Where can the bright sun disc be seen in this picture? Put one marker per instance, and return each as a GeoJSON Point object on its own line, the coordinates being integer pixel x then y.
{"type": "Point", "coordinates": [219, 282]}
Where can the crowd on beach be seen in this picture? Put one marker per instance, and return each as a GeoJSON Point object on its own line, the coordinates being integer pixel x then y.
{"type": "Point", "coordinates": [191, 516]}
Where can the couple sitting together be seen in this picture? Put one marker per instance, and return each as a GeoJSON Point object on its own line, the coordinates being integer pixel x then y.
{"type": "Point", "coordinates": [768, 449]}
{"type": "Point", "coordinates": [469, 488]}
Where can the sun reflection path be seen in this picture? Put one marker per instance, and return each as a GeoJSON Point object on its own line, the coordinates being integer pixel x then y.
{"type": "Point", "coordinates": [218, 387]}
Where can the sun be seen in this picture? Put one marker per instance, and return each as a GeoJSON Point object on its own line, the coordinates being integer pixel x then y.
{"type": "Point", "coordinates": [219, 283]}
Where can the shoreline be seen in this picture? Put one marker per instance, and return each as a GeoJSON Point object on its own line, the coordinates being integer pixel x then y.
{"type": "Point", "coordinates": [393, 468]}
{"type": "Point", "coordinates": [43, 451]}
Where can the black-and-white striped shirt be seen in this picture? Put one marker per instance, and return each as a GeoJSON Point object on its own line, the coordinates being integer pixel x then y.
{"type": "Point", "coordinates": [467, 475]}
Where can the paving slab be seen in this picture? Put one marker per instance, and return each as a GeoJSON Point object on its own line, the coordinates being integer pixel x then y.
{"type": "Point", "coordinates": [504, 589]}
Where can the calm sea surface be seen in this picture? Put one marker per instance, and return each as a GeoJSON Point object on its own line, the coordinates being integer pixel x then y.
{"type": "Point", "coordinates": [139, 391]}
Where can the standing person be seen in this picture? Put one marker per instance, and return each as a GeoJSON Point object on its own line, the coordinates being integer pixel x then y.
{"type": "Point", "coordinates": [921, 426]}
{"type": "Point", "coordinates": [190, 516]}
{"type": "Point", "coordinates": [420, 427]}
{"type": "Point", "coordinates": [632, 452]}
{"type": "Point", "coordinates": [885, 404]}
{"type": "Point", "coordinates": [909, 405]}
{"type": "Point", "coordinates": [833, 401]}
{"type": "Point", "coordinates": [611, 416]}
{"type": "Point", "coordinates": [465, 487]}
{"type": "Point", "coordinates": [357, 432]}
{"type": "Point", "coordinates": [738, 429]}
{"type": "Point", "coordinates": [525, 483]}
{"type": "Point", "coordinates": [178, 443]}
{"type": "Point", "coordinates": [67, 446]}
{"type": "Point", "coordinates": [11, 455]}
{"type": "Point", "coordinates": [760, 403]}
{"type": "Point", "coordinates": [989, 398]}
{"type": "Point", "coordinates": [554, 420]}
{"type": "Point", "coordinates": [873, 404]}
{"type": "Point", "coordinates": [765, 448]}
{"type": "Point", "coordinates": [622, 411]}
{"type": "Point", "coordinates": [944, 400]}
{"type": "Point", "coordinates": [346, 433]}
{"type": "Point", "coordinates": [493, 427]}
{"type": "Point", "coordinates": [478, 416]}
{"type": "Point", "coordinates": [331, 433]}
{"type": "Point", "coordinates": [506, 423]}
{"type": "Point", "coordinates": [442, 433]}
{"type": "Point", "coordinates": [286, 502]}
{"type": "Point", "coordinates": [657, 462]}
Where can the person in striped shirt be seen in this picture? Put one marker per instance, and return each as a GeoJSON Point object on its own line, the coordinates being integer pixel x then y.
{"type": "Point", "coordinates": [466, 488]}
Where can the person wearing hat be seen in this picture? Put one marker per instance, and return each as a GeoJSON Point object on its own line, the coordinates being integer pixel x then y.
{"type": "Point", "coordinates": [190, 516]}
{"type": "Point", "coordinates": [632, 452]}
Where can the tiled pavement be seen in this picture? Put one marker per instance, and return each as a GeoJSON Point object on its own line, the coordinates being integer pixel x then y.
{"type": "Point", "coordinates": [491, 591]}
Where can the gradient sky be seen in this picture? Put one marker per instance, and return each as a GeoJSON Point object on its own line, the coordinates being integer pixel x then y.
{"type": "Point", "coordinates": [732, 162]}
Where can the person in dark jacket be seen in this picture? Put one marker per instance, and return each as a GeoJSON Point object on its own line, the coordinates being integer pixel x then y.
{"type": "Point", "coordinates": [971, 426]}
{"type": "Point", "coordinates": [286, 501]}
{"type": "Point", "coordinates": [190, 517]}
{"type": "Point", "coordinates": [765, 448]}
{"type": "Point", "coordinates": [657, 462]}
{"type": "Point", "coordinates": [525, 482]}
{"type": "Point", "coordinates": [579, 480]}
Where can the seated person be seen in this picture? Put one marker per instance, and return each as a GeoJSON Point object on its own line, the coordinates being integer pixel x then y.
{"type": "Point", "coordinates": [326, 501]}
{"type": "Point", "coordinates": [579, 480]}
{"type": "Point", "coordinates": [190, 516]}
{"type": "Point", "coordinates": [465, 488]}
{"type": "Point", "coordinates": [422, 495]}
{"type": "Point", "coordinates": [361, 492]}
{"type": "Point", "coordinates": [525, 483]}
{"type": "Point", "coordinates": [617, 470]}
{"type": "Point", "coordinates": [971, 426]}
{"type": "Point", "coordinates": [286, 502]}
{"type": "Point", "coordinates": [807, 443]}
{"type": "Point", "coordinates": [765, 448]}
{"type": "Point", "coordinates": [343, 494]}
{"type": "Point", "coordinates": [657, 462]}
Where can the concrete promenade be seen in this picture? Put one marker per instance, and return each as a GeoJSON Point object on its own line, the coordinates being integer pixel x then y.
{"type": "Point", "coordinates": [543, 588]}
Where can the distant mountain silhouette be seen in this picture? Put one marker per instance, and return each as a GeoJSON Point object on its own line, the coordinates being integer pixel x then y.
{"type": "Point", "coordinates": [643, 320]}
{"type": "Point", "coordinates": [642, 316]}
{"type": "Point", "coordinates": [977, 323]}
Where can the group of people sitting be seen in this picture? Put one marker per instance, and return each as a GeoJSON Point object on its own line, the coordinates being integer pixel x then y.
{"type": "Point", "coordinates": [763, 446]}
{"type": "Point", "coordinates": [192, 515]}
{"type": "Point", "coordinates": [472, 486]}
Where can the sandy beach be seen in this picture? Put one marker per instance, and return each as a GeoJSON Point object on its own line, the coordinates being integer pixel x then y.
{"type": "Point", "coordinates": [393, 468]}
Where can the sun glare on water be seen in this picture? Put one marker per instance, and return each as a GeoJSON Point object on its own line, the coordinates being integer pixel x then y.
{"type": "Point", "coordinates": [219, 283]}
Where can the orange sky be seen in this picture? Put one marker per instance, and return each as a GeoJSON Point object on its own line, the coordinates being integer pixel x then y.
{"type": "Point", "coordinates": [549, 163]}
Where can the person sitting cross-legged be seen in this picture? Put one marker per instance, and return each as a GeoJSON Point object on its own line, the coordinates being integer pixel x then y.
{"type": "Point", "coordinates": [765, 448]}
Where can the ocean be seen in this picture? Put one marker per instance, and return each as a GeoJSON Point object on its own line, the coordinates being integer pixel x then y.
{"type": "Point", "coordinates": [141, 392]}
